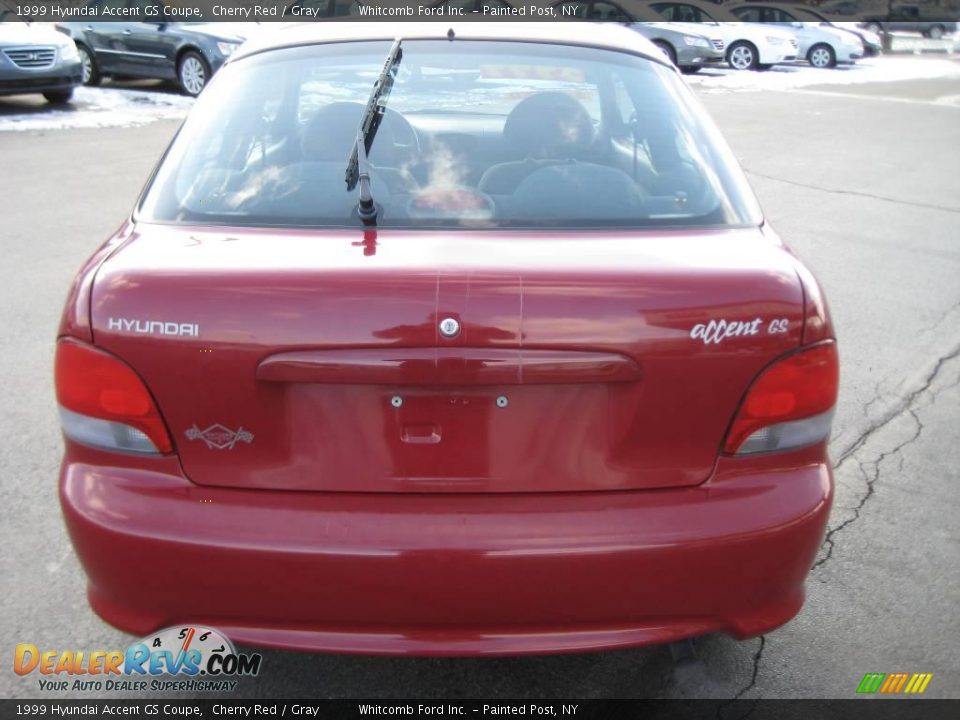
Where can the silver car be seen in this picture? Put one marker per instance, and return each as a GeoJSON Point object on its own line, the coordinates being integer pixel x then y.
{"type": "Point", "coordinates": [822, 46]}
{"type": "Point", "coordinates": [35, 59]}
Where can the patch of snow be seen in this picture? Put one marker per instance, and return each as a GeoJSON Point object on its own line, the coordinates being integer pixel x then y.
{"type": "Point", "coordinates": [98, 107]}
{"type": "Point", "coordinates": [788, 77]}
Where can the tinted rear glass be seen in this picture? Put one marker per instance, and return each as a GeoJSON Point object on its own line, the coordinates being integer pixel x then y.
{"type": "Point", "coordinates": [477, 134]}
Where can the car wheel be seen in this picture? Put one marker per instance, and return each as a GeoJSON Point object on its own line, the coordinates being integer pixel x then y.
{"type": "Point", "coordinates": [193, 72]}
{"type": "Point", "coordinates": [935, 33]}
{"type": "Point", "coordinates": [690, 69]}
{"type": "Point", "coordinates": [822, 56]}
{"type": "Point", "coordinates": [58, 97]}
{"type": "Point", "coordinates": [667, 50]}
{"type": "Point", "coordinates": [88, 67]}
{"type": "Point", "coordinates": [742, 56]}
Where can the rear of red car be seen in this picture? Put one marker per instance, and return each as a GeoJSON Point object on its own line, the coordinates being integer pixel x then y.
{"type": "Point", "coordinates": [448, 434]}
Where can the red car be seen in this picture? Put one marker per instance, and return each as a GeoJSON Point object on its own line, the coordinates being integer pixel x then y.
{"type": "Point", "coordinates": [472, 341]}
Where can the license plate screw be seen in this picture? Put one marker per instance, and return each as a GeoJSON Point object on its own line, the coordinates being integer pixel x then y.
{"type": "Point", "coordinates": [502, 401]}
{"type": "Point", "coordinates": [396, 401]}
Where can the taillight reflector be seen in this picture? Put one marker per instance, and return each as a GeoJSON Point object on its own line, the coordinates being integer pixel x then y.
{"type": "Point", "coordinates": [105, 403]}
{"type": "Point", "coordinates": [790, 404]}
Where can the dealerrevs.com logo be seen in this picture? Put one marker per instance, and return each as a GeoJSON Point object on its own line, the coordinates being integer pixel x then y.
{"type": "Point", "coordinates": [180, 658]}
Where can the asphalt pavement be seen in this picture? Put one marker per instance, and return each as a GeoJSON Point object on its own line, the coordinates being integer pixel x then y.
{"type": "Point", "coordinates": [864, 182]}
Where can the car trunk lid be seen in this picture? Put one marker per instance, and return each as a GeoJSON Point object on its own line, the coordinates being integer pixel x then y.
{"type": "Point", "coordinates": [307, 360]}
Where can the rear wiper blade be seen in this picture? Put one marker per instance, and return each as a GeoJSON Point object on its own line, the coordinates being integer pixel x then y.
{"type": "Point", "coordinates": [357, 165]}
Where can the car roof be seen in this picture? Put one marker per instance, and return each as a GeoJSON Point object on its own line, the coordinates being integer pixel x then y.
{"type": "Point", "coordinates": [608, 36]}
{"type": "Point", "coordinates": [761, 3]}
{"type": "Point", "coordinates": [789, 6]}
{"type": "Point", "coordinates": [720, 13]}
{"type": "Point", "coordinates": [785, 6]}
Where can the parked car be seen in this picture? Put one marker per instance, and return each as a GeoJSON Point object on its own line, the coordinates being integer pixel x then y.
{"type": "Point", "coordinates": [689, 48]}
{"type": "Point", "coordinates": [792, 13]}
{"type": "Point", "coordinates": [36, 59]}
{"type": "Point", "coordinates": [406, 335]}
{"type": "Point", "coordinates": [822, 46]}
{"type": "Point", "coordinates": [872, 44]}
{"type": "Point", "coordinates": [911, 18]}
{"type": "Point", "coordinates": [748, 46]}
{"type": "Point", "coordinates": [189, 53]}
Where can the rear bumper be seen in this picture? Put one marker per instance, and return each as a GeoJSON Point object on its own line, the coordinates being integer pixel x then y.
{"type": "Point", "coordinates": [448, 575]}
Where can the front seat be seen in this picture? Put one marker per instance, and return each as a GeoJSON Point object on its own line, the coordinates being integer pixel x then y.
{"type": "Point", "coordinates": [544, 129]}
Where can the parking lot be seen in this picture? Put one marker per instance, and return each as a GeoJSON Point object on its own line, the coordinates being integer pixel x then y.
{"type": "Point", "coordinates": [858, 169]}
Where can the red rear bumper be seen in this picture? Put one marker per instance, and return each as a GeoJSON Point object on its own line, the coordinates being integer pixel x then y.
{"type": "Point", "coordinates": [448, 575]}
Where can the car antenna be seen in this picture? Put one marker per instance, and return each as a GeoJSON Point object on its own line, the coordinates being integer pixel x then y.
{"type": "Point", "coordinates": [358, 166]}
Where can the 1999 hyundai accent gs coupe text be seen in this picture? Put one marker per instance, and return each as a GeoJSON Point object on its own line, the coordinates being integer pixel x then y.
{"type": "Point", "coordinates": [472, 341]}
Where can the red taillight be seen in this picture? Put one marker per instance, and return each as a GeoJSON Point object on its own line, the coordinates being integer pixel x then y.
{"type": "Point", "coordinates": [794, 396]}
{"type": "Point", "coordinates": [94, 385]}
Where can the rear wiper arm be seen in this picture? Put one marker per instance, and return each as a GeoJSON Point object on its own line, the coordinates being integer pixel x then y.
{"type": "Point", "coordinates": [358, 169]}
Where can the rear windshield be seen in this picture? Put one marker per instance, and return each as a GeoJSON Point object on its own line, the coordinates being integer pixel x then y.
{"type": "Point", "coordinates": [477, 134]}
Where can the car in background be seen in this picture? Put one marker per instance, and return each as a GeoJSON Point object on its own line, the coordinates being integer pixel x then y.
{"type": "Point", "coordinates": [470, 342]}
{"type": "Point", "coordinates": [689, 48]}
{"type": "Point", "coordinates": [37, 59]}
{"type": "Point", "coordinates": [748, 46]}
{"type": "Point", "coordinates": [872, 44]}
{"type": "Point", "coordinates": [821, 46]}
{"type": "Point", "coordinates": [911, 18]}
{"type": "Point", "coordinates": [188, 53]}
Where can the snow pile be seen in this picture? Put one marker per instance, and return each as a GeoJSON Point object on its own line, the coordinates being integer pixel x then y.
{"type": "Point", "coordinates": [94, 108]}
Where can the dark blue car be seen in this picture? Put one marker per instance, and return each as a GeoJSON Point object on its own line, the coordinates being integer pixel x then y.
{"type": "Point", "coordinates": [151, 46]}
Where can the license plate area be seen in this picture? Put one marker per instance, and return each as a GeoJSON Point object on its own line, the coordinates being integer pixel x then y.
{"type": "Point", "coordinates": [445, 434]}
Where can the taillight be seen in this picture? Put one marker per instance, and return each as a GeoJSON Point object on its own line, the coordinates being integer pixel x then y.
{"type": "Point", "coordinates": [104, 403]}
{"type": "Point", "coordinates": [789, 405]}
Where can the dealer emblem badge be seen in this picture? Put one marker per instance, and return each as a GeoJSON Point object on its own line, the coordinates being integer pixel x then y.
{"type": "Point", "coordinates": [218, 437]}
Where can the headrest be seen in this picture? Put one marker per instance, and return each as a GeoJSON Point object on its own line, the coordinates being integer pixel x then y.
{"type": "Point", "coordinates": [548, 125]}
{"type": "Point", "coordinates": [331, 132]}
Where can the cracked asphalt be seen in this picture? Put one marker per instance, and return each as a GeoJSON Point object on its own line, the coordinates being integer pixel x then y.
{"type": "Point", "coordinates": [866, 187]}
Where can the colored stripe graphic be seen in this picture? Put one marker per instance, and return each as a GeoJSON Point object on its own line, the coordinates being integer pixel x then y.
{"type": "Point", "coordinates": [889, 682]}
{"type": "Point", "coordinates": [871, 682]}
{"type": "Point", "coordinates": [894, 683]}
{"type": "Point", "coordinates": [919, 683]}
